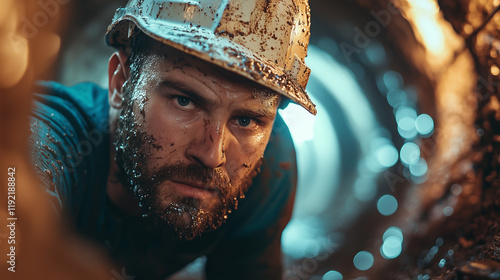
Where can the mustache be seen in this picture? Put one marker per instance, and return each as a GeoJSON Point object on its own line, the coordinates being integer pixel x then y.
{"type": "Point", "coordinates": [195, 173]}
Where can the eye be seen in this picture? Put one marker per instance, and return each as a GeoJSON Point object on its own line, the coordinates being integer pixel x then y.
{"type": "Point", "coordinates": [183, 101]}
{"type": "Point", "coordinates": [245, 121]}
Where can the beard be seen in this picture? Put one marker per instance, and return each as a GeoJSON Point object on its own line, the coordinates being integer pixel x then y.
{"type": "Point", "coordinates": [183, 218]}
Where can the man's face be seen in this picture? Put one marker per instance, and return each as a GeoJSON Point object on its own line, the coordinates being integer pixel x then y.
{"type": "Point", "coordinates": [189, 140]}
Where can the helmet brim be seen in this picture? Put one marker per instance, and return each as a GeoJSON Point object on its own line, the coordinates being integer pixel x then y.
{"type": "Point", "coordinates": [219, 50]}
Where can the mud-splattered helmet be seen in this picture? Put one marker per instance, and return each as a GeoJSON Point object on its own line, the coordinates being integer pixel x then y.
{"type": "Point", "coordinates": [263, 40]}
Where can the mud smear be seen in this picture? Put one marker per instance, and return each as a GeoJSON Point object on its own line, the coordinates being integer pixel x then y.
{"type": "Point", "coordinates": [181, 217]}
{"type": "Point", "coordinates": [285, 165]}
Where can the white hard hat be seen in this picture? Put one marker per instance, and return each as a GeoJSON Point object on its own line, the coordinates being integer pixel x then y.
{"type": "Point", "coordinates": [263, 40]}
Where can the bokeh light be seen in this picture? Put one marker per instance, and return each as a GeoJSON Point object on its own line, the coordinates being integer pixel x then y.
{"type": "Point", "coordinates": [424, 124]}
{"type": "Point", "coordinates": [392, 80]}
{"type": "Point", "coordinates": [410, 153]}
{"type": "Point", "coordinates": [391, 248]}
{"type": "Point", "coordinates": [406, 112]}
{"type": "Point", "coordinates": [387, 205]}
{"type": "Point", "coordinates": [333, 275]}
{"type": "Point", "coordinates": [405, 118]}
{"type": "Point", "coordinates": [448, 211]}
{"type": "Point", "coordinates": [363, 260]}
{"type": "Point", "coordinates": [495, 70]}
{"type": "Point", "coordinates": [397, 97]}
{"type": "Point", "coordinates": [406, 128]}
{"type": "Point", "coordinates": [419, 168]}
{"type": "Point", "coordinates": [381, 155]}
{"type": "Point", "coordinates": [393, 232]}
{"type": "Point", "coordinates": [387, 155]}
{"type": "Point", "coordinates": [375, 53]}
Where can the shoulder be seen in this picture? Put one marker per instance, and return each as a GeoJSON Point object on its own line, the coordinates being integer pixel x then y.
{"type": "Point", "coordinates": [72, 119]}
{"type": "Point", "coordinates": [86, 101]}
{"type": "Point", "coordinates": [69, 139]}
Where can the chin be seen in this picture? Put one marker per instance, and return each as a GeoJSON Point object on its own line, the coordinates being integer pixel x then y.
{"type": "Point", "coordinates": [185, 219]}
{"type": "Point", "coordinates": [187, 215]}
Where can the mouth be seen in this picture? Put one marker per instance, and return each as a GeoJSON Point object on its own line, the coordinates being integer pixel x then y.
{"type": "Point", "coordinates": [193, 189]}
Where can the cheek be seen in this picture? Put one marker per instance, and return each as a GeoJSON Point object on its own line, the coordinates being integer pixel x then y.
{"type": "Point", "coordinates": [169, 133]}
{"type": "Point", "coordinates": [254, 148]}
{"type": "Point", "coordinates": [249, 153]}
{"type": "Point", "coordinates": [173, 131]}
{"type": "Point", "coordinates": [157, 120]}
{"type": "Point", "coordinates": [162, 114]}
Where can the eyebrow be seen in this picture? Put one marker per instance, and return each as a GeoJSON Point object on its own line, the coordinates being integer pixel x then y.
{"type": "Point", "coordinates": [189, 91]}
{"type": "Point", "coordinates": [200, 99]}
{"type": "Point", "coordinates": [259, 113]}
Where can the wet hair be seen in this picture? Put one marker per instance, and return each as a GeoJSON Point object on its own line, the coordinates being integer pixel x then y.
{"type": "Point", "coordinates": [140, 45]}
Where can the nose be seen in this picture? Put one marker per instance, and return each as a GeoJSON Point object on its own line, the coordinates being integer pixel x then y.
{"type": "Point", "coordinates": [207, 148]}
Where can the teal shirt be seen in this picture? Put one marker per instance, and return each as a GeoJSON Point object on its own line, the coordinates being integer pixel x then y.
{"type": "Point", "coordinates": [70, 151]}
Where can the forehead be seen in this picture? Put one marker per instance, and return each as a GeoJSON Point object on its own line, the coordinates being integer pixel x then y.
{"type": "Point", "coordinates": [161, 59]}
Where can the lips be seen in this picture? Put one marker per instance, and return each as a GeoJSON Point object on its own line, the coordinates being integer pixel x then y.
{"type": "Point", "coordinates": [194, 189]}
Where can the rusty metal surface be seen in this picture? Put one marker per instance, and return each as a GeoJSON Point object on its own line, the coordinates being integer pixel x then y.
{"type": "Point", "coordinates": [464, 174]}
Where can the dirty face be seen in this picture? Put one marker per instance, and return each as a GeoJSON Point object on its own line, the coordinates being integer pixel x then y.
{"type": "Point", "coordinates": [189, 140]}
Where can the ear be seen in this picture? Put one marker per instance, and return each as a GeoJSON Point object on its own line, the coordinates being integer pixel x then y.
{"type": "Point", "coordinates": [118, 74]}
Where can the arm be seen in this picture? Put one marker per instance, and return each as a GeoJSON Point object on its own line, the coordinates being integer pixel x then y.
{"type": "Point", "coordinates": [48, 151]}
{"type": "Point", "coordinates": [65, 142]}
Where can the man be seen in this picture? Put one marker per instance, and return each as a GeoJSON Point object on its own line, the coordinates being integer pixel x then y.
{"type": "Point", "coordinates": [191, 113]}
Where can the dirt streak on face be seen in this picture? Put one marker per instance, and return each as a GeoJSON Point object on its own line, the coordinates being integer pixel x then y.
{"type": "Point", "coordinates": [182, 121]}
